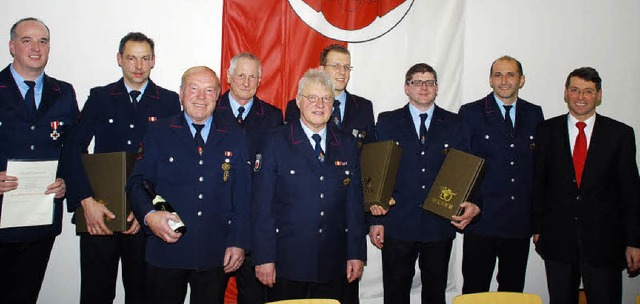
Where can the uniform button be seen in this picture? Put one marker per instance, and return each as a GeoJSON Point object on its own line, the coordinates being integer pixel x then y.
{"type": "Point", "coordinates": [575, 218]}
{"type": "Point", "coordinates": [199, 213]}
{"type": "Point", "coordinates": [513, 197]}
{"type": "Point", "coordinates": [229, 222]}
{"type": "Point", "coordinates": [0, 123]}
{"type": "Point", "coordinates": [321, 195]}
{"type": "Point", "coordinates": [62, 123]}
{"type": "Point", "coordinates": [201, 178]}
{"type": "Point", "coordinates": [32, 147]}
{"type": "Point", "coordinates": [201, 162]}
{"type": "Point", "coordinates": [33, 128]}
{"type": "Point", "coordinates": [422, 153]}
{"type": "Point", "coordinates": [424, 187]}
{"type": "Point", "coordinates": [277, 230]}
{"type": "Point", "coordinates": [321, 213]}
{"type": "Point", "coordinates": [346, 230]}
{"type": "Point", "coordinates": [513, 180]}
{"type": "Point", "coordinates": [320, 230]}
{"type": "Point", "coordinates": [321, 178]}
{"type": "Point", "coordinates": [579, 198]}
{"type": "Point", "coordinates": [111, 120]}
{"type": "Point", "coordinates": [424, 170]}
{"type": "Point", "coordinates": [128, 142]}
{"type": "Point", "coordinates": [511, 163]}
{"type": "Point", "coordinates": [512, 145]}
{"type": "Point", "coordinates": [170, 159]}
{"type": "Point", "coordinates": [200, 196]}
{"type": "Point", "coordinates": [292, 172]}
{"type": "Point", "coordinates": [131, 126]}
{"type": "Point", "coordinates": [486, 136]}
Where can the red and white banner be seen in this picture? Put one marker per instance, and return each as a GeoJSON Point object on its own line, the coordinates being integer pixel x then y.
{"type": "Point", "coordinates": [385, 38]}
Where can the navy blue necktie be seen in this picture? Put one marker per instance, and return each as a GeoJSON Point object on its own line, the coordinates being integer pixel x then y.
{"type": "Point", "coordinates": [239, 117]}
{"type": "Point", "coordinates": [507, 119]}
{"type": "Point", "coordinates": [335, 115]}
{"type": "Point", "coordinates": [423, 128]}
{"type": "Point", "coordinates": [30, 98]}
{"type": "Point", "coordinates": [318, 148]}
{"type": "Point", "coordinates": [198, 137]}
{"type": "Point", "coordinates": [134, 98]}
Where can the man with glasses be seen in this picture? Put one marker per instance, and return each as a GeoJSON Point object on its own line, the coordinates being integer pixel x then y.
{"type": "Point", "coordinates": [241, 106]}
{"type": "Point", "coordinates": [503, 130]}
{"type": "Point", "coordinates": [37, 113]}
{"type": "Point", "coordinates": [406, 232]}
{"type": "Point", "coordinates": [586, 197]}
{"type": "Point", "coordinates": [350, 112]}
{"type": "Point", "coordinates": [309, 227]}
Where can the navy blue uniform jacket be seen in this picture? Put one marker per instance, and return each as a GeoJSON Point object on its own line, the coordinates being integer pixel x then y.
{"type": "Point", "coordinates": [261, 118]}
{"type": "Point", "coordinates": [604, 213]}
{"type": "Point", "coordinates": [308, 218]}
{"type": "Point", "coordinates": [109, 117]}
{"type": "Point", "coordinates": [24, 137]}
{"type": "Point", "coordinates": [419, 166]}
{"type": "Point", "coordinates": [215, 210]}
{"type": "Point", "coordinates": [506, 191]}
{"type": "Point", "coordinates": [357, 117]}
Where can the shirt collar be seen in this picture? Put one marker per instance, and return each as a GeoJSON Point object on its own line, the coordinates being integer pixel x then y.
{"type": "Point", "coordinates": [235, 106]}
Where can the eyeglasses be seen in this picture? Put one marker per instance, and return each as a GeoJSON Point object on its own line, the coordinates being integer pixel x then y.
{"type": "Point", "coordinates": [243, 77]}
{"type": "Point", "coordinates": [419, 83]}
{"type": "Point", "coordinates": [315, 98]}
{"type": "Point", "coordinates": [338, 66]}
{"type": "Point", "coordinates": [587, 92]}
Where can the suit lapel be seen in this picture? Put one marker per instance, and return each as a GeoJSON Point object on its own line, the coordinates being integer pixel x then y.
{"type": "Point", "coordinates": [50, 93]}
{"type": "Point", "coordinates": [14, 98]}
{"type": "Point", "coordinates": [180, 129]}
{"type": "Point", "coordinates": [350, 108]}
{"type": "Point", "coordinates": [596, 144]}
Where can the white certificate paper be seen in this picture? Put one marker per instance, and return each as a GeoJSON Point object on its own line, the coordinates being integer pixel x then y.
{"type": "Point", "coordinates": [28, 205]}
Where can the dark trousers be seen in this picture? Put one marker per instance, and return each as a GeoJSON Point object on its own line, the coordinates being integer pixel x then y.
{"type": "Point", "coordinates": [479, 260]}
{"type": "Point", "coordinates": [288, 289]}
{"type": "Point", "coordinates": [22, 268]}
{"type": "Point", "coordinates": [351, 293]}
{"type": "Point", "coordinates": [169, 286]}
{"type": "Point", "coordinates": [602, 284]}
{"type": "Point", "coordinates": [250, 290]}
{"type": "Point", "coordinates": [398, 268]}
{"type": "Point", "coordinates": [99, 259]}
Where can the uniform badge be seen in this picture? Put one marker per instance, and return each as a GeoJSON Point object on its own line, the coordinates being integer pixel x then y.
{"type": "Point", "coordinates": [346, 181]}
{"type": "Point", "coordinates": [152, 118]}
{"type": "Point", "coordinates": [140, 152]}
{"type": "Point", "coordinates": [226, 166]}
{"type": "Point", "coordinates": [54, 126]}
{"type": "Point", "coordinates": [258, 163]}
{"type": "Point", "coordinates": [228, 153]}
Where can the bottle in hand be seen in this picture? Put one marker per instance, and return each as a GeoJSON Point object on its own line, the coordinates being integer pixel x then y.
{"type": "Point", "coordinates": [160, 204]}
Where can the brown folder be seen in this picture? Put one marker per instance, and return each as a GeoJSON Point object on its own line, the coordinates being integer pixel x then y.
{"type": "Point", "coordinates": [379, 164]}
{"type": "Point", "coordinates": [460, 173]}
{"type": "Point", "coordinates": [107, 173]}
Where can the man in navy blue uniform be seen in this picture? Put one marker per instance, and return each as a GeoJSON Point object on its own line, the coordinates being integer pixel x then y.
{"type": "Point", "coordinates": [586, 197]}
{"type": "Point", "coordinates": [503, 133]}
{"type": "Point", "coordinates": [36, 113]}
{"type": "Point", "coordinates": [407, 232]}
{"type": "Point", "coordinates": [199, 166]}
{"type": "Point", "coordinates": [309, 228]}
{"type": "Point", "coordinates": [257, 117]}
{"type": "Point", "coordinates": [350, 112]}
{"type": "Point", "coordinates": [116, 116]}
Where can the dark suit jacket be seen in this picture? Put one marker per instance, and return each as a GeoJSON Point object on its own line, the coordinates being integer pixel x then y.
{"type": "Point", "coordinates": [506, 190]}
{"type": "Point", "coordinates": [109, 117]}
{"type": "Point", "coordinates": [600, 218]}
{"type": "Point", "coordinates": [419, 166]}
{"type": "Point", "coordinates": [261, 118]}
{"type": "Point", "coordinates": [214, 210]}
{"type": "Point", "coordinates": [358, 117]}
{"type": "Point", "coordinates": [308, 218]}
{"type": "Point", "coordinates": [24, 137]}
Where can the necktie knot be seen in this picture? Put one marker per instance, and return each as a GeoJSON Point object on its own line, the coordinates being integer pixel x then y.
{"type": "Point", "coordinates": [198, 127]}
{"type": "Point", "coordinates": [507, 118]}
{"type": "Point", "coordinates": [581, 125]}
{"type": "Point", "coordinates": [31, 84]}
{"type": "Point", "coordinates": [580, 152]}
{"type": "Point", "coordinates": [239, 117]}
{"type": "Point", "coordinates": [134, 98]}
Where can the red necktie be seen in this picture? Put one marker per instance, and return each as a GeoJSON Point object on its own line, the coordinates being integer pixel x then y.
{"type": "Point", "coordinates": [580, 151]}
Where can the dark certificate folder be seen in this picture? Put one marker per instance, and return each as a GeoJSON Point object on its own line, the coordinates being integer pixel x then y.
{"type": "Point", "coordinates": [379, 166]}
{"type": "Point", "coordinates": [456, 180]}
{"type": "Point", "coordinates": [107, 173]}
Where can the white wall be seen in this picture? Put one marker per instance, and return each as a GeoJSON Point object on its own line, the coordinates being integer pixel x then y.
{"type": "Point", "coordinates": [549, 37]}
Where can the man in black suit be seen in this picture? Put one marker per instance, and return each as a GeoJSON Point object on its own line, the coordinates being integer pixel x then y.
{"type": "Point", "coordinates": [117, 116]}
{"type": "Point", "coordinates": [351, 113]}
{"type": "Point", "coordinates": [36, 113]}
{"type": "Point", "coordinates": [586, 199]}
{"type": "Point", "coordinates": [257, 117]}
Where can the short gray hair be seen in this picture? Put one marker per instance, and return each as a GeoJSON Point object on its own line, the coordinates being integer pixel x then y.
{"type": "Point", "coordinates": [316, 76]}
{"type": "Point", "coordinates": [244, 55]}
